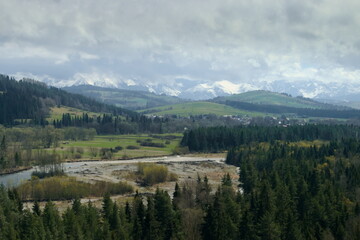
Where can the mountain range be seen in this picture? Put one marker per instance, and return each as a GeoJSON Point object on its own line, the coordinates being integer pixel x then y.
{"type": "Point", "coordinates": [185, 88]}
{"type": "Point", "coordinates": [29, 99]}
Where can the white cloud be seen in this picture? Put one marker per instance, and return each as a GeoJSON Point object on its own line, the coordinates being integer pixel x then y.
{"type": "Point", "coordinates": [41, 78]}
{"type": "Point", "coordinates": [14, 50]}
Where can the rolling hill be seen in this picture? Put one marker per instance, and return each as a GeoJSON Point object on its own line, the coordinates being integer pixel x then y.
{"type": "Point", "coordinates": [129, 99]}
{"type": "Point", "coordinates": [253, 103]}
{"type": "Point", "coordinates": [258, 103]}
{"type": "Point", "coordinates": [277, 103]}
{"type": "Point", "coordinates": [278, 99]}
{"type": "Point", "coordinates": [198, 108]}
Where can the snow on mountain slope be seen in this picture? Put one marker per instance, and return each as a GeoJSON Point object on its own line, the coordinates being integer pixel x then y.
{"type": "Point", "coordinates": [219, 88]}
{"type": "Point", "coordinates": [195, 89]}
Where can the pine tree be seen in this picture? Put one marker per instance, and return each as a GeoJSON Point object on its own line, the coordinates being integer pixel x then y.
{"type": "Point", "coordinates": [107, 206]}
{"type": "Point", "coordinates": [138, 217]}
{"type": "Point", "coordinates": [128, 211]}
{"type": "Point", "coordinates": [164, 213]}
{"type": "Point", "coordinates": [3, 152]}
{"type": "Point", "coordinates": [151, 225]}
{"type": "Point", "coordinates": [76, 206]}
{"type": "Point", "coordinates": [115, 224]}
{"type": "Point", "coordinates": [72, 226]}
{"type": "Point", "coordinates": [36, 208]}
{"type": "Point", "coordinates": [176, 196]}
{"type": "Point", "coordinates": [52, 222]}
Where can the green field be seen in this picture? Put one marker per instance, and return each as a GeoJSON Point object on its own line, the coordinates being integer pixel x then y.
{"type": "Point", "coordinates": [57, 112]}
{"type": "Point", "coordinates": [80, 150]}
{"type": "Point", "coordinates": [199, 108]}
{"type": "Point", "coordinates": [272, 98]}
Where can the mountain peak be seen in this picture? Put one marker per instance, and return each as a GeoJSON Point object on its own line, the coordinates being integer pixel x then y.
{"type": "Point", "coordinates": [200, 90]}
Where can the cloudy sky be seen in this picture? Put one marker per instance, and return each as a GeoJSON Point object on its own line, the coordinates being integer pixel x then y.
{"type": "Point", "coordinates": [200, 40]}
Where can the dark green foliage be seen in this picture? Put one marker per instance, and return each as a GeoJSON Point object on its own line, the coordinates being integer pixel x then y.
{"type": "Point", "coordinates": [286, 192]}
{"type": "Point", "coordinates": [51, 173]}
{"type": "Point", "coordinates": [302, 112]}
{"type": "Point", "coordinates": [295, 192]}
{"type": "Point", "coordinates": [28, 99]}
{"type": "Point", "coordinates": [216, 139]}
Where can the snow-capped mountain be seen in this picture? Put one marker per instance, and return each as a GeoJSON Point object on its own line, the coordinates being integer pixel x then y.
{"type": "Point", "coordinates": [219, 88]}
{"type": "Point", "coordinates": [197, 90]}
{"type": "Point", "coordinates": [317, 90]}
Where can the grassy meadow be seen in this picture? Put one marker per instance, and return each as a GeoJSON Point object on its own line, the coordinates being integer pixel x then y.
{"type": "Point", "coordinates": [57, 112]}
{"type": "Point", "coordinates": [272, 98]}
{"type": "Point", "coordinates": [199, 108]}
{"type": "Point", "coordinates": [119, 147]}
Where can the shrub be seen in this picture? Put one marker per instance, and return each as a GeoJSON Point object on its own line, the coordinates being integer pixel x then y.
{"type": "Point", "coordinates": [152, 144]}
{"type": "Point", "coordinates": [152, 173]}
{"type": "Point", "coordinates": [118, 148]}
{"type": "Point", "coordinates": [106, 153]}
{"type": "Point", "coordinates": [80, 150]}
{"type": "Point", "coordinates": [155, 174]}
{"type": "Point", "coordinates": [65, 188]}
{"type": "Point", "coordinates": [131, 147]}
{"type": "Point", "coordinates": [46, 174]}
{"type": "Point", "coordinates": [93, 151]}
{"type": "Point", "coordinates": [173, 177]}
{"type": "Point", "coordinates": [72, 149]}
{"type": "Point", "coordinates": [180, 150]}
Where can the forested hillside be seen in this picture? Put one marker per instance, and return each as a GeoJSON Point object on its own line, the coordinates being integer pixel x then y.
{"type": "Point", "coordinates": [300, 112]}
{"type": "Point", "coordinates": [28, 99]}
{"type": "Point", "coordinates": [129, 99]}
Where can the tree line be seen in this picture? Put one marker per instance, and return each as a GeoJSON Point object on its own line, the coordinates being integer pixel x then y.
{"type": "Point", "coordinates": [28, 146]}
{"type": "Point", "coordinates": [221, 138]}
{"type": "Point", "coordinates": [157, 219]}
{"type": "Point", "coordinates": [302, 112]}
{"type": "Point", "coordinates": [112, 124]}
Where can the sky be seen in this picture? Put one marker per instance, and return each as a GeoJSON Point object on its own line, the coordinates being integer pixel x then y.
{"type": "Point", "coordinates": [199, 40]}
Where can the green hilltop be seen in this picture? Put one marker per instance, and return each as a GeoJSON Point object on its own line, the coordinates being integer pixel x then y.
{"type": "Point", "coordinates": [273, 98]}
{"type": "Point", "coordinates": [198, 108]}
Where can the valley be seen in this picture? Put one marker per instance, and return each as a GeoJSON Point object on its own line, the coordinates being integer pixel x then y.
{"type": "Point", "coordinates": [251, 104]}
{"type": "Point", "coordinates": [256, 161]}
{"type": "Point", "coordinates": [179, 120]}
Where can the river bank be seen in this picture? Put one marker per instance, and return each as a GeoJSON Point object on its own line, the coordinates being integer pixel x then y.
{"type": "Point", "coordinates": [186, 168]}
{"type": "Point", "coordinates": [14, 170]}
